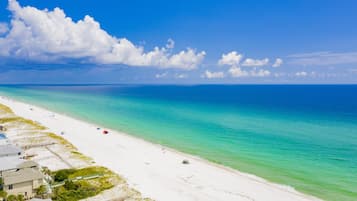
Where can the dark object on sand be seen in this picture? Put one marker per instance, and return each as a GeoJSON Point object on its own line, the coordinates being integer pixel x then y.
{"type": "Point", "coordinates": [105, 132]}
{"type": "Point", "coordinates": [98, 128]}
{"type": "Point", "coordinates": [185, 162]}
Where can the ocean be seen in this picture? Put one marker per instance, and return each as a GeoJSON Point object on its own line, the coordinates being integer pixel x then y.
{"type": "Point", "coordinates": [303, 136]}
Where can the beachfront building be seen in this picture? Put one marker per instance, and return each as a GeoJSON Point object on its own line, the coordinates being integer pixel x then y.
{"type": "Point", "coordinates": [24, 181]}
{"type": "Point", "coordinates": [9, 150]}
{"type": "Point", "coordinates": [20, 176]}
{"type": "Point", "coordinates": [9, 164]}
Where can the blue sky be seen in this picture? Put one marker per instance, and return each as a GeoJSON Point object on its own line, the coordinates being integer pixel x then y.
{"type": "Point", "coordinates": [197, 41]}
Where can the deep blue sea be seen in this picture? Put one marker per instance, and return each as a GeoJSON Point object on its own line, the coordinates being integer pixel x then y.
{"type": "Point", "coordinates": [304, 136]}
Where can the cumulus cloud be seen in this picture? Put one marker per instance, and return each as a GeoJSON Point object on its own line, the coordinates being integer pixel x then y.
{"type": "Point", "coordinates": [323, 58]}
{"type": "Point", "coordinates": [255, 62]}
{"type": "Point", "coordinates": [4, 28]}
{"type": "Point", "coordinates": [213, 75]}
{"type": "Point", "coordinates": [48, 36]}
{"type": "Point", "coordinates": [238, 72]}
{"type": "Point", "coordinates": [231, 59]}
{"type": "Point", "coordinates": [278, 62]}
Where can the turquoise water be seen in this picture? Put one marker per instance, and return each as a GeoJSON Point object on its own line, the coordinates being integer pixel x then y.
{"type": "Point", "coordinates": [301, 136]}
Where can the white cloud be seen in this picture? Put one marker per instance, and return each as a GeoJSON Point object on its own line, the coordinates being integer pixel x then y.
{"type": "Point", "coordinates": [170, 44]}
{"type": "Point", "coordinates": [255, 62]}
{"type": "Point", "coordinates": [181, 76]}
{"type": "Point", "coordinates": [233, 60]}
{"type": "Point", "coordinates": [278, 62]}
{"type": "Point", "coordinates": [323, 58]}
{"type": "Point", "coordinates": [301, 74]}
{"type": "Point", "coordinates": [230, 59]}
{"type": "Point", "coordinates": [239, 72]}
{"type": "Point", "coordinates": [260, 73]}
{"type": "Point", "coordinates": [308, 74]}
{"type": "Point", "coordinates": [161, 75]}
{"type": "Point", "coordinates": [213, 75]}
{"type": "Point", "coordinates": [47, 36]}
{"type": "Point", "coordinates": [4, 28]}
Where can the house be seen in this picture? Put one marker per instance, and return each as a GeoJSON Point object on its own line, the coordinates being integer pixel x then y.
{"type": "Point", "coordinates": [23, 181]}
{"type": "Point", "coordinates": [9, 164]}
{"type": "Point", "coordinates": [10, 150]}
{"type": "Point", "coordinates": [20, 176]}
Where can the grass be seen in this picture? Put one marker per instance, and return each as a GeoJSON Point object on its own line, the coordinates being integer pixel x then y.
{"type": "Point", "coordinates": [81, 156]}
{"type": "Point", "coordinates": [94, 170]}
{"type": "Point", "coordinates": [12, 118]}
{"type": "Point", "coordinates": [23, 121]}
{"type": "Point", "coordinates": [61, 140]}
{"type": "Point", "coordinates": [74, 190]}
{"type": "Point", "coordinates": [5, 109]}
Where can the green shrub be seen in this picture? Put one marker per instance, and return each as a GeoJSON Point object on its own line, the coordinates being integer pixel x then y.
{"type": "Point", "coordinates": [74, 189]}
{"type": "Point", "coordinates": [41, 190]}
{"type": "Point", "coordinates": [11, 198]}
{"type": "Point", "coordinates": [1, 185]}
{"type": "Point", "coordinates": [20, 198]}
{"type": "Point", "coordinates": [63, 175]}
{"type": "Point", "coordinates": [3, 194]}
{"type": "Point", "coordinates": [70, 185]}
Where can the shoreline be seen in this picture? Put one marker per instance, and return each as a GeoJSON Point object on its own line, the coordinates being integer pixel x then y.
{"type": "Point", "coordinates": [159, 172]}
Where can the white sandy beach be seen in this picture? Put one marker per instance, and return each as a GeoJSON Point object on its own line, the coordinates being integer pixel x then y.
{"type": "Point", "coordinates": [156, 171]}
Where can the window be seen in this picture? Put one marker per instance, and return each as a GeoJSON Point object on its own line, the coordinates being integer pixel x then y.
{"type": "Point", "coordinates": [10, 187]}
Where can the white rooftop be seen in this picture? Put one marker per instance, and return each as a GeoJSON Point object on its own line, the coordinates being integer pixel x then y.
{"type": "Point", "coordinates": [9, 150]}
{"type": "Point", "coordinates": [9, 163]}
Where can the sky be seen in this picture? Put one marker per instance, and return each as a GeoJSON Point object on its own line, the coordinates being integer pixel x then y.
{"type": "Point", "coordinates": [178, 42]}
